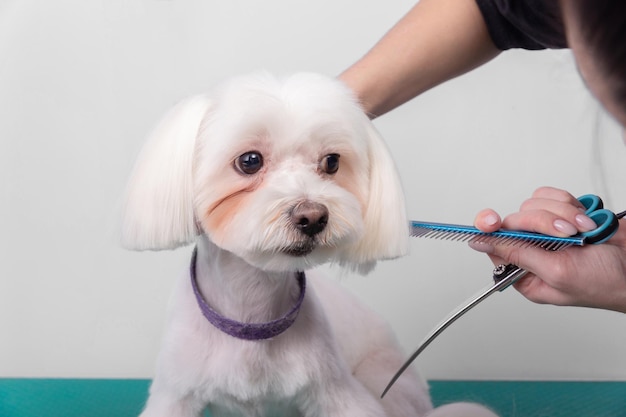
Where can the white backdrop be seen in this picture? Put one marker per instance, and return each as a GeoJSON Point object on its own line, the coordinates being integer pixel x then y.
{"type": "Point", "coordinates": [83, 82]}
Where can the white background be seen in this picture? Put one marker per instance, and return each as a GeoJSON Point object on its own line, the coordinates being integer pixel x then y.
{"type": "Point", "coordinates": [83, 82]}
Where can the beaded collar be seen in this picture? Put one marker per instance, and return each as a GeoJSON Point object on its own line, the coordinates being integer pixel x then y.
{"type": "Point", "coordinates": [247, 331]}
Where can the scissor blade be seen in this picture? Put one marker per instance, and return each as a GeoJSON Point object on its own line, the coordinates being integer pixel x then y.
{"type": "Point", "coordinates": [443, 326]}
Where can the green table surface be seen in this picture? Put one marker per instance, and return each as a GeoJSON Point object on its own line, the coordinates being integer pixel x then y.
{"type": "Point", "coordinates": [125, 397]}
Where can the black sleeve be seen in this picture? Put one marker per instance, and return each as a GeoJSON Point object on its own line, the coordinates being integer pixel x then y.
{"type": "Point", "coordinates": [527, 24]}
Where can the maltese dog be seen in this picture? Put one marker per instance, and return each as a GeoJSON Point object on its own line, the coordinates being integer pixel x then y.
{"type": "Point", "coordinates": [271, 177]}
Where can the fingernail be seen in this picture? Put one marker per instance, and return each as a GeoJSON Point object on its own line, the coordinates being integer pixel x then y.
{"type": "Point", "coordinates": [481, 247]}
{"type": "Point", "coordinates": [565, 227]}
{"type": "Point", "coordinates": [491, 219]}
{"type": "Point", "coordinates": [585, 222]}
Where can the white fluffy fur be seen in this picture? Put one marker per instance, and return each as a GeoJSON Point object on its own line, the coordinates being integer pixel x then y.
{"type": "Point", "coordinates": [159, 213]}
{"type": "Point", "coordinates": [338, 356]}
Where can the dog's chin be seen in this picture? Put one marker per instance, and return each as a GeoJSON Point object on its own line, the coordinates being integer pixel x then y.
{"type": "Point", "coordinates": [295, 257]}
{"type": "Point", "coordinates": [299, 249]}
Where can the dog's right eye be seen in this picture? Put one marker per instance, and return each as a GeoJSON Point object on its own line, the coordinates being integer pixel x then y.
{"type": "Point", "coordinates": [249, 163]}
{"type": "Point", "coordinates": [330, 163]}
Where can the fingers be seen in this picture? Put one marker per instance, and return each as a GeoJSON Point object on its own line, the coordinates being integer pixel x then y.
{"type": "Point", "coordinates": [557, 194]}
{"type": "Point", "coordinates": [536, 261]}
{"type": "Point", "coordinates": [549, 211]}
{"type": "Point", "coordinates": [488, 221]}
{"type": "Point", "coordinates": [551, 216]}
{"type": "Point", "coordinates": [567, 212]}
{"type": "Point", "coordinates": [591, 276]}
{"type": "Point", "coordinates": [538, 291]}
{"type": "Point", "coordinates": [531, 286]}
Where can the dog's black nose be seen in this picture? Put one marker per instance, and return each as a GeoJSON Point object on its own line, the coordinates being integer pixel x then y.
{"type": "Point", "coordinates": [310, 218]}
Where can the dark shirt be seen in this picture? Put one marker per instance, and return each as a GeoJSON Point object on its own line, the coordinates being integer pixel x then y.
{"type": "Point", "coordinates": [527, 24]}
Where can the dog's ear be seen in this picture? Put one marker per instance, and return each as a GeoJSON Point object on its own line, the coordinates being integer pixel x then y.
{"type": "Point", "coordinates": [158, 212]}
{"type": "Point", "coordinates": [386, 226]}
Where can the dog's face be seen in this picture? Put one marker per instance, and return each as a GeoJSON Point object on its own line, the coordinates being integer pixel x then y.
{"type": "Point", "coordinates": [281, 172]}
{"type": "Point", "coordinates": [286, 174]}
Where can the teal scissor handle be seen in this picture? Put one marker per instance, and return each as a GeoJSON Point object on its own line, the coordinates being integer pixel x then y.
{"type": "Point", "coordinates": [606, 220]}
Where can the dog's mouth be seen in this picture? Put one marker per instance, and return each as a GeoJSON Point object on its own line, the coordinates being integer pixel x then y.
{"type": "Point", "coordinates": [300, 249]}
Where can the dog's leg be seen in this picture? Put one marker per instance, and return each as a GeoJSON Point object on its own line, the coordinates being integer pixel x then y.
{"type": "Point", "coordinates": [371, 351]}
{"type": "Point", "coordinates": [461, 410]}
{"type": "Point", "coordinates": [343, 397]}
{"type": "Point", "coordinates": [163, 403]}
{"type": "Point", "coordinates": [409, 395]}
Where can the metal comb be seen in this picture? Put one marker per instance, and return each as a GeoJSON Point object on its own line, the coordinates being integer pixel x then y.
{"type": "Point", "coordinates": [456, 232]}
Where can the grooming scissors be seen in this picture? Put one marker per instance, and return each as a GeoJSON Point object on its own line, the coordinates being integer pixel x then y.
{"type": "Point", "coordinates": [506, 275]}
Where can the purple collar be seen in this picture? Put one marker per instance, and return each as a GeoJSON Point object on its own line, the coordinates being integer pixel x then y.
{"type": "Point", "coordinates": [246, 331]}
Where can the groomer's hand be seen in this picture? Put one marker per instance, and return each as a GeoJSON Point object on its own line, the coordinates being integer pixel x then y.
{"type": "Point", "coordinates": [590, 276]}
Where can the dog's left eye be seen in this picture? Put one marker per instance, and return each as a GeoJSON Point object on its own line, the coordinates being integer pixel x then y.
{"type": "Point", "coordinates": [330, 163]}
{"type": "Point", "coordinates": [249, 163]}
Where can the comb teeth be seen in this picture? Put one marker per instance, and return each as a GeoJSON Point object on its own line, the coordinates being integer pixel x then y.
{"type": "Point", "coordinates": [501, 237]}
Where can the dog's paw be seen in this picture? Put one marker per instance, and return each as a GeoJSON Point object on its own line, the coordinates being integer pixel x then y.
{"type": "Point", "coordinates": [461, 410]}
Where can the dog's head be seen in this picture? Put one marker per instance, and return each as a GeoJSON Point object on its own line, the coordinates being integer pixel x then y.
{"type": "Point", "coordinates": [286, 174]}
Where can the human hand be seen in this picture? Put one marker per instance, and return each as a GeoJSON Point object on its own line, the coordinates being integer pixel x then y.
{"type": "Point", "coordinates": [590, 276]}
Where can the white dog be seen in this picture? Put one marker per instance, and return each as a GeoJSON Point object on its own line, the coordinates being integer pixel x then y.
{"type": "Point", "coordinates": [270, 178]}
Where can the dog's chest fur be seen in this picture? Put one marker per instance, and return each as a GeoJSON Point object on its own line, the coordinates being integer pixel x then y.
{"type": "Point", "coordinates": [249, 378]}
